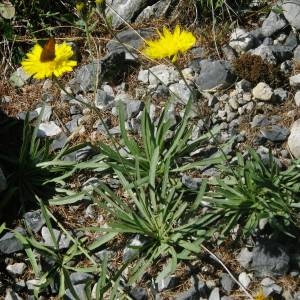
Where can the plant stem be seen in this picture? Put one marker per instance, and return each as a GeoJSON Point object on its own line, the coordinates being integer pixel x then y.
{"type": "Point", "coordinates": [227, 270]}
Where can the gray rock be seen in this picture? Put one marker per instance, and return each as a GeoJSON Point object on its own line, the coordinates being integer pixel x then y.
{"type": "Point", "coordinates": [132, 249]}
{"type": "Point", "coordinates": [127, 10]}
{"type": "Point", "coordinates": [297, 98]}
{"type": "Point", "coordinates": [47, 97]}
{"type": "Point", "coordinates": [265, 52]}
{"type": "Point", "coordinates": [198, 290]}
{"type": "Point", "coordinates": [163, 74]}
{"type": "Point", "coordinates": [246, 108]}
{"type": "Point", "coordinates": [245, 257]}
{"type": "Point", "coordinates": [231, 116]}
{"type": "Point", "coordinates": [129, 40]}
{"type": "Point", "coordinates": [280, 94]}
{"type": "Point", "coordinates": [91, 183]}
{"type": "Point", "coordinates": [115, 130]}
{"type": "Point", "coordinates": [143, 76]}
{"type": "Point", "coordinates": [155, 11]}
{"type": "Point", "coordinates": [214, 75]}
{"type": "Point", "coordinates": [229, 53]}
{"type": "Point", "coordinates": [269, 287]}
{"type": "Point", "coordinates": [275, 133]}
{"type": "Point", "coordinates": [262, 91]}
{"type": "Point", "coordinates": [257, 33]}
{"type": "Point", "coordinates": [297, 54]}
{"type": "Point", "coordinates": [46, 114]}
{"type": "Point", "coordinates": [32, 284]}
{"type": "Point", "coordinates": [3, 181]}
{"type": "Point", "coordinates": [84, 153]}
{"type": "Point", "coordinates": [233, 104]}
{"type": "Point", "coordinates": [270, 259]}
{"type": "Point", "coordinates": [280, 39]}
{"type": "Point", "coordinates": [132, 107]}
{"type": "Point", "coordinates": [80, 277]}
{"type": "Point", "coordinates": [73, 123]}
{"type": "Point", "coordinates": [86, 77]}
{"type": "Point", "coordinates": [100, 255]}
{"type": "Point", "coordinates": [139, 293]}
{"type": "Point", "coordinates": [102, 99]}
{"type": "Point", "coordinates": [198, 52]}
{"type": "Point", "coordinates": [9, 243]}
{"type": "Point", "coordinates": [294, 139]}
{"type": "Point", "coordinates": [90, 211]}
{"type": "Point", "coordinates": [241, 40]}
{"type": "Point", "coordinates": [190, 182]}
{"type": "Point", "coordinates": [215, 294]}
{"type": "Point", "coordinates": [80, 293]}
{"type": "Point", "coordinates": [266, 159]}
{"type": "Point", "coordinates": [243, 86]}
{"type": "Point", "coordinates": [291, 40]}
{"type": "Point", "coordinates": [273, 23]}
{"type": "Point", "coordinates": [180, 92]}
{"type": "Point", "coordinates": [295, 81]}
{"type": "Point", "coordinates": [34, 220]}
{"type": "Point", "coordinates": [6, 99]}
{"type": "Point", "coordinates": [281, 52]}
{"type": "Point", "coordinates": [31, 115]}
{"type": "Point", "coordinates": [19, 78]}
{"type": "Point", "coordinates": [108, 89]}
{"type": "Point", "coordinates": [227, 282]}
{"type": "Point", "coordinates": [268, 41]}
{"type": "Point", "coordinates": [247, 97]}
{"type": "Point", "coordinates": [198, 129]}
{"type": "Point", "coordinates": [286, 67]}
{"type": "Point", "coordinates": [59, 142]}
{"type": "Point", "coordinates": [261, 120]}
{"type": "Point", "coordinates": [291, 11]}
{"type": "Point", "coordinates": [166, 283]}
{"type": "Point", "coordinates": [244, 279]}
{"type": "Point", "coordinates": [16, 268]}
{"type": "Point", "coordinates": [61, 238]}
{"type": "Point", "coordinates": [49, 129]}
{"type": "Point", "coordinates": [11, 295]}
{"type": "Point", "coordinates": [161, 91]}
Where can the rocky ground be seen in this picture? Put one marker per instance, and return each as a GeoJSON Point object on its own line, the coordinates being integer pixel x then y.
{"type": "Point", "coordinates": [252, 92]}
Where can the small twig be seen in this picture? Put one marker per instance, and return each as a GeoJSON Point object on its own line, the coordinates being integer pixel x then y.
{"type": "Point", "coordinates": [227, 270]}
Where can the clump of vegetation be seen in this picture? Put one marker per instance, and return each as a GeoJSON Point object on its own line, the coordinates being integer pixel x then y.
{"type": "Point", "coordinates": [254, 69]}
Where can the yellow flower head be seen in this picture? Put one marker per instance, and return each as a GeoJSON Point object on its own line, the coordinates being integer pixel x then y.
{"type": "Point", "coordinates": [42, 63]}
{"type": "Point", "coordinates": [170, 44]}
{"type": "Point", "coordinates": [100, 1]}
{"type": "Point", "coordinates": [80, 6]}
{"type": "Point", "coordinates": [261, 296]}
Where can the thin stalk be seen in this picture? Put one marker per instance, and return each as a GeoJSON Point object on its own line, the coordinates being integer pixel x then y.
{"type": "Point", "coordinates": [228, 271]}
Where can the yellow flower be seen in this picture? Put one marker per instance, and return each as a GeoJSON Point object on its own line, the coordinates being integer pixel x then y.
{"type": "Point", "coordinates": [170, 44]}
{"type": "Point", "coordinates": [100, 1]}
{"type": "Point", "coordinates": [80, 6]}
{"type": "Point", "coordinates": [57, 65]}
{"type": "Point", "coordinates": [261, 296]}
